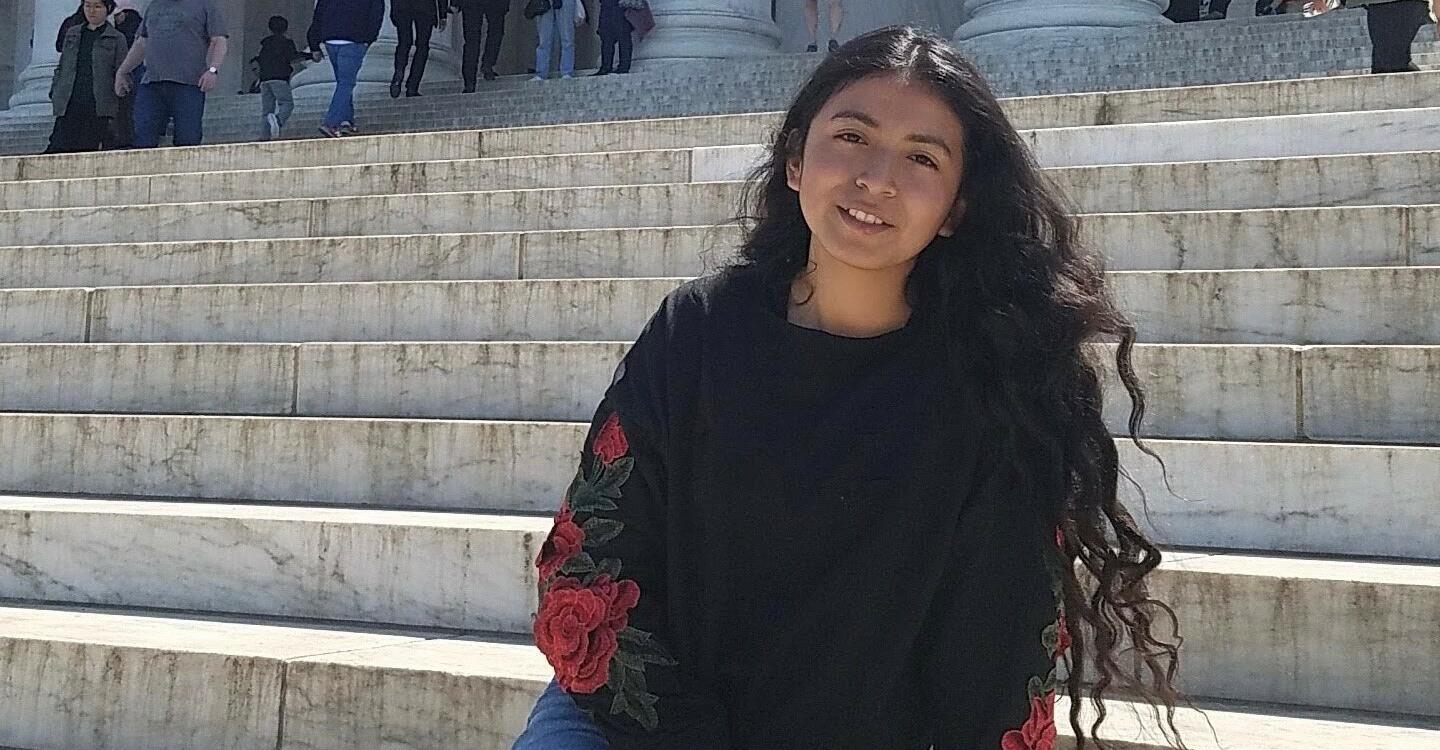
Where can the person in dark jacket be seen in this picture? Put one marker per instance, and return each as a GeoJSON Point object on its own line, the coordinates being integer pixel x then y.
{"type": "Point", "coordinates": [1392, 25]}
{"type": "Point", "coordinates": [70, 22]}
{"type": "Point", "coordinates": [414, 21]}
{"type": "Point", "coordinates": [615, 31]}
{"type": "Point", "coordinates": [475, 16]}
{"type": "Point", "coordinates": [277, 58]}
{"type": "Point", "coordinates": [81, 93]}
{"type": "Point", "coordinates": [347, 28]}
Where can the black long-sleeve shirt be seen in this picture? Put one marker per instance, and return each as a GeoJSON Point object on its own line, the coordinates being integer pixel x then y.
{"type": "Point", "coordinates": [783, 538]}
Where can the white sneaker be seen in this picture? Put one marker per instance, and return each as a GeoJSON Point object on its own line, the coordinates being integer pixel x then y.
{"type": "Point", "coordinates": [567, 75]}
{"type": "Point", "coordinates": [274, 123]}
{"type": "Point", "coordinates": [538, 78]}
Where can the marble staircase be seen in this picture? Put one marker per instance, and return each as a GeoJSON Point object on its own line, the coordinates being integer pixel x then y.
{"type": "Point", "coordinates": [1232, 50]}
{"type": "Point", "coordinates": [282, 424]}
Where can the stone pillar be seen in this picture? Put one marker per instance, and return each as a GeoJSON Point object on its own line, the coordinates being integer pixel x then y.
{"type": "Point", "coordinates": [701, 29]}
{"type": "Point", "coordinates": [32, 86]}
{"type": "Point", "coordinates": [318, 81]}
{"type": "Point", "coordinates": [1010, 22]}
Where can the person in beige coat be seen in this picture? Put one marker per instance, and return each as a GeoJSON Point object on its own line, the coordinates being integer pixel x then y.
{"type": "Point", "coordinates": [81, 93]}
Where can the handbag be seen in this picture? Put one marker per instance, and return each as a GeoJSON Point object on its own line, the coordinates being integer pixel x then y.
{"type": "Point", "coordinates": [537, 8]}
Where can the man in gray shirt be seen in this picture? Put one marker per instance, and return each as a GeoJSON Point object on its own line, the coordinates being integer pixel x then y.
{"type": "Point", "coordinates": [182, 43]}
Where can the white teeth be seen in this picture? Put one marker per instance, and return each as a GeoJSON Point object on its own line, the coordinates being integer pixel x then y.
{"type": "Point", "coordinates": [862, 216]}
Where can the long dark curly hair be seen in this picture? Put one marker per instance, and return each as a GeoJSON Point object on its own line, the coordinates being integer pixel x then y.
{"type": "Point", "coordinates": [1019, 301]}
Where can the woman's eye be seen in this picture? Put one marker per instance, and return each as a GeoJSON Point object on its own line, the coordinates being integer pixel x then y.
{"type": "Point", "coordinates": [927, 161]}
{"type": "Point", "coordinates": [847, 136]}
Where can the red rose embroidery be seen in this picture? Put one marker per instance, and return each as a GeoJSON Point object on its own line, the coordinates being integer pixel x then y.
{"type": "Point", "coordinates": [1038, 731]}
{"type": "Point", "coordinates": [610, 445]}
{"type": "Point", "coordinates": [577, 629]}
{"type": "Point", "coordinates": [1062, 636]}
{"type": "Point", "coordinates": [1059, 537]}
{"type": "Point", "coordinates": [564, 542]}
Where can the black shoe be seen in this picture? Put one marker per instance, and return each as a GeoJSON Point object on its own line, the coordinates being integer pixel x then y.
{"type": "Point", "coordinates": [469, 89]}
{"type": "Point", "coordinates": [812, 48]}
{"type": "Point", "coordinates": [623, 72]}
{"type": "Point", "coordinates": [602, 73]}
{"type": "Point", "coordinates": [489, 74]}
{"type": "Point", "coordinates": [834, 45]}
{"type": "Point", "coordinates": [395, 89]}
{"type": "Point", "coordinates": [409, 94]}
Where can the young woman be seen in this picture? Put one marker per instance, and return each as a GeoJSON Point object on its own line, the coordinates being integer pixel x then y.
{"type": "Point", "coordinates": [835, 494]}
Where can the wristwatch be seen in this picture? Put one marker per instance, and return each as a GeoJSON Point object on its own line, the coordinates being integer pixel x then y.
{"type": "Point", "coordinates": [213, 70]}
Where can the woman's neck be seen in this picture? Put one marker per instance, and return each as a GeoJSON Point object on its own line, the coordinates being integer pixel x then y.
{"type": "Point", "coordinates": [94, 26]}
{"type": "Point", "coordinates": [847, 301]}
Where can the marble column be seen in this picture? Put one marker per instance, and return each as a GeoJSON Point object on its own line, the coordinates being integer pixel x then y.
{"type": "Point", "coordinates": [1006, 23]}
{"type": "Point", "coordinates": [32, 86]}
{"type": "Point", "coordinates": [318, 80]}
{"type": "Point", "coordinates": [701, 29]}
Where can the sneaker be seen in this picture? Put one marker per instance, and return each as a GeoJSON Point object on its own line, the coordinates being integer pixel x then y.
{"type": "Point", "coordinates": [812, 48]}
{"type": "Point", "coordinates": [567, 75]}
{"type": "Point", "coordinates": [348, 128]}
{"type": "Point", "coordinates": [330, 132]}
{"type": "Point", "coordinates": [274, 123]}
{"type": "Point", "coordinates": [538, 78]}
{"type": "Point", "coordinates": [834, 45]}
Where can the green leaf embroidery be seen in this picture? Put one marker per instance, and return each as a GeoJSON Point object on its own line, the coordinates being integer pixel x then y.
{"type": "Point", "coordinates": [601, 531]}
{"type": "Point", "coordinates": [580, 564]}
{"type": "Point", "coordinates": [1035, 687]}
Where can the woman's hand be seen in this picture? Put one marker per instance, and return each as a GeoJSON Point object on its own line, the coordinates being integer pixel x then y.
{"type": "Point", "coordinates": [122, 84]}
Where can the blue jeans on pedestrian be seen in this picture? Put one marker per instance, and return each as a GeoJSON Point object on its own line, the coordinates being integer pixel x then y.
{"type": "Point", "coordinates": [345, 60]}
{"type": "Point", "coordinates": [557, 24]}
{"type": "Point", "coordinates": [556, 723]}
{"type": "Point", "coordinates": [159, 102]}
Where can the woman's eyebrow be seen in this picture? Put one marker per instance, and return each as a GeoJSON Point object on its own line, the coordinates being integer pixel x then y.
{"type": "Point", "coordinates": [866, 119]}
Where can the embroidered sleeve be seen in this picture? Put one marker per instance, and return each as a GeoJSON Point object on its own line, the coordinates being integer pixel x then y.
{"type": "Point", "coordinates": [996, 634]}
{"type": "Point", "coordinates": [603, 622]}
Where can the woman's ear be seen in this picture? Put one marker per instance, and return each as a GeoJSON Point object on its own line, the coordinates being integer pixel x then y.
{"type": "Point", "coordinates": [794, 150]}
{"type": "Point", "coordinates": [956, 214]}
{"type": "Point", "coordinates": [792, 173]}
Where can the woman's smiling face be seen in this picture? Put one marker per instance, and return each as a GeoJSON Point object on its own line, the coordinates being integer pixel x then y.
{"type": "Point", "coordinates": [880, 173]}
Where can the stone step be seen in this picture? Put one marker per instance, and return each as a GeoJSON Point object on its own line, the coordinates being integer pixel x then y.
{"type": "Point", "coordinates": [183, 682]}
{"type": "Point", "coordinates": [1260, 99]}
{"type": "Point", "coordinates": [1194, 240]}
{"type": "Point", "coordinates": [1386, 305]}
{"type": "Point", "coordinates": [464, 571]}
{"type": "Point", "coordinates": [137, 679]}
{"type": "Point", "coordinates": [503, 173]}
{"type": "Point", "coordinates": [1298, 497]}
{"type": "Point", "coordinates": [1300, 182]}
{"type": "Point", "coordinates": [1246, 617]}
{"type": "Point", "coordinates": [1284, 306]}
{"type": "Point", "coordinates": [1207, 140]}
{"type": "Point", "coordinates": [1236, 392]}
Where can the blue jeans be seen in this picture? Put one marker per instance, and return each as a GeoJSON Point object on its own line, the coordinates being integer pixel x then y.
{"type": "Point", "coordinates": [556, 24]}
{"type": "Point", "coordinates": [556, 723]}
{"type": "Point", "coordinates": [345, 60]}
{"type": "Point", "coordinates": [158, 102]}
